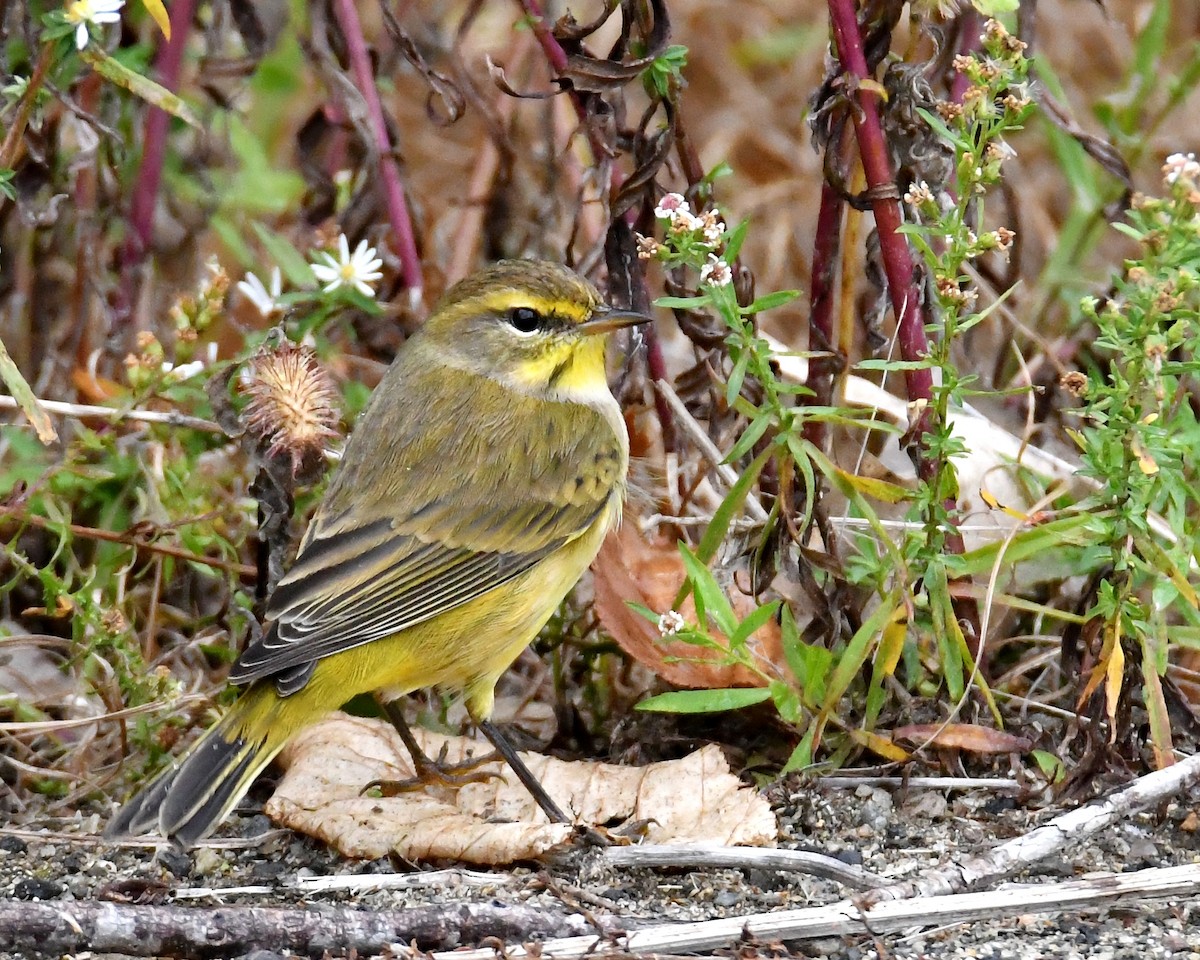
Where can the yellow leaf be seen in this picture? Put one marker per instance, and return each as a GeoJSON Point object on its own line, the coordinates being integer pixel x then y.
{"type": "Point", "coordinates": [1146, 462]}
{"type": "Point", "coordinates": [876, 489]}
{"type": "Point", "coordinates": [156, 10]}
{"type": "Point", "coordinates": [882, 746]}
{"type": "Point", "coordinates": [1113, 675]}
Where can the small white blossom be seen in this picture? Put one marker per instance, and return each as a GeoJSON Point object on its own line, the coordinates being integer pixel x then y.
{"type": "Point", "coordinates": [670, 205]}
{"type": "Point", "coordinates": [918, 194]}
{"type": "Point", "coordinates": [712, 227]}
{"type": "Point", "coordinates": [670, 623]}
{"type": "Point", "coordinates": [358, 270]}
{"type": "Point", "coordinates": [684, 222]}
{"type": "Point", "coordinates": [265, 301]}
{"type": "Point", "coordinates": [716, 272]}
{"type": "Point", "coordinates": [1181, 166]}
{"type": "Point", "coordinates": [183, 371]}
{"type": "Point", "coordinates": [91, 13]}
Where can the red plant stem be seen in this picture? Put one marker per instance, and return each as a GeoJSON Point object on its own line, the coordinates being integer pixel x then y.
{"type": "Point", "coordinates": [403, 239]}
{"type": "Point", "coordinates": [897, 259]}
{"type": "Point", "coordinates": [168, 65]}
{"type": "Point", "coordinates": [899, 267]}
{"type": "Point", "coordinates": [826, 254]}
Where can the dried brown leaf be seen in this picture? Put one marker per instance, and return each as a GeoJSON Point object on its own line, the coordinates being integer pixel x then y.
{"type": "Point", "coordinates": [963, 736]}
{"type": "Point", "coordinates": [497, 822]}
{"type": "Point", "coordinates": [649, 571]}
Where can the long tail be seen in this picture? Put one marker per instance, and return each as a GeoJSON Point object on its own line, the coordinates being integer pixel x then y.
{"type": "Point", "coordinates": [187, 802]}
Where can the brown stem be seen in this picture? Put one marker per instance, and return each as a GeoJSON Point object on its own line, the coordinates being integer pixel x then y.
{"type": "Point", "coordinates": [109, 536]}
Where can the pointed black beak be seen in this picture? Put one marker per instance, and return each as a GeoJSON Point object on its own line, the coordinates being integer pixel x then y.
{"type": "Point", "coordinates": [606, 319]}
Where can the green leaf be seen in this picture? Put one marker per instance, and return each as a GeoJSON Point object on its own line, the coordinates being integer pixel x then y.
{"type": "Point", "coordinates": [706, 701]}
{"type": "Point", "coordinates": [993, 8]}
{"type": "Point", "coordinates": [852, 659]}
{"type": "Point", "coordinates": [295, 268]}
{"type": "Point", "coordinates": [723, 517]}
{"type": "Point", "coordinates": [708, 592]}
{"type": "Point", "coordinates": [153, 93]}
{"type": "Point", "coordinates": [757, 619]}
{"type": "Point", "coordinates": [750, 436]}
{"type": "Point", "coordinates": [733, 245]}
{"type": "Point", "coordinates": [20, 390]}
{"type": "Point", "coordinates": [770, 301]}
{"type": "Point", "coordinates": [681, 303]}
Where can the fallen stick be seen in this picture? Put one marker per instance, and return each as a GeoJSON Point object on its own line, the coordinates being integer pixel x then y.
{"type": "Point", "coordinates": [846, 918]}
{"type": "Point", "coordinates": [714, 856]}
{"type": "Point", "coordinates": [56, 928]}
{"type": "Point", "coordinates": [1017, 854]}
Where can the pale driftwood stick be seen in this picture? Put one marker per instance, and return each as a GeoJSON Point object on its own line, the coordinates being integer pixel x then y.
{"type": "Point", "coordinates": [360, 882]}
{"type": "Point", "coordinates": [52, 929]}
{"type": "Point", "coordinates": [707, 448]}
{"type": "Point", "coordinates": [1016, 855]}
{"type": "Point", "coordinates": [714, 856]}
{"type": "Point", "coordinates": [851, 781]}
{"type": "Point", "coordinates": [83, 410]}
{"type": "Point", "coordinates": [846, 918]}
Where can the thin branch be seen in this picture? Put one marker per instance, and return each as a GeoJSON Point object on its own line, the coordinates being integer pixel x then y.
{"type": "Point", "coordinates": [94, 533]}
{"type": "Point", "coordinates": [113, 415]}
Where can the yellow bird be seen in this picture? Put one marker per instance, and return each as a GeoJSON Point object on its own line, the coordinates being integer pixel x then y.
{"type": "Point", "coordinates": [475, 490]}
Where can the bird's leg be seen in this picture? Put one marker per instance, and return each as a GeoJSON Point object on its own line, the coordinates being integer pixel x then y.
{"type": "Point", "coordinates": [430, 771]}
{"type": "Point", "coordinates": [509, 753]}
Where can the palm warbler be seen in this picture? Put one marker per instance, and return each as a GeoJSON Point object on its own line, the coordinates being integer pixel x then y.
{"type": "Point", "coordinates": [477, 487]}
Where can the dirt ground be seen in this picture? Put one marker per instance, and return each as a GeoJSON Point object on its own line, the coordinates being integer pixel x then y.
{"type": "Point", "coordinates": [889, 833]}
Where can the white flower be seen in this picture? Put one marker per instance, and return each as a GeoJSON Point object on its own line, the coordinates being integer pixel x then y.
{"type": "Point", "coordinates": [183, 371]}
{"type": "Point", "coordinates": [265, 302]}
{"type": "Point", "coordinates": [1181, 166]}
{"type": "Point", "coordinates": [712, 227]}
{"type": "Point", "coordinates": [85, 13]}
{"type": "Point", "coordinates": [670, 623]}
{"type": "Point", "coordinates": [716, 272]}
{"type": "Point", "coordinates": [670, 205]}
{"type": "Point", "coordinates": [358, 270]}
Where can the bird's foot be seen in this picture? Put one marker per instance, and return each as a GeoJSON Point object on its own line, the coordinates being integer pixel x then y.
{"type": "Point", "coordinates": [439, 773]}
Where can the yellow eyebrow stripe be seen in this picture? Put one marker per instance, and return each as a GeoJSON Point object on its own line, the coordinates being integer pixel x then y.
{"type": "Point", "coordinates": [501, 301]}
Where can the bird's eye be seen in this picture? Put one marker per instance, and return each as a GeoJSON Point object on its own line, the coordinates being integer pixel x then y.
{"type": "Point", "coordinates": [524, 319]}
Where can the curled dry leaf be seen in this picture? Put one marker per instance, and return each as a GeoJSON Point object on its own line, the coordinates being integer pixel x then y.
{"type": "Point", "coordinates": [648, 570]}
{"type": "Point", "coordinates": [497, 822]}
{"type": "Point", "coordinates": [963, 736]}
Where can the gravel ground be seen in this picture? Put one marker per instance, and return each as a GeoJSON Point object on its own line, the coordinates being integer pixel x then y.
{"type": "Point", "coordinates": [891, 834]}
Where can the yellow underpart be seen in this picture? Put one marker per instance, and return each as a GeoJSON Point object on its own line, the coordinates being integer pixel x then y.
{"type": "Point", "coordinates": [465, 649]}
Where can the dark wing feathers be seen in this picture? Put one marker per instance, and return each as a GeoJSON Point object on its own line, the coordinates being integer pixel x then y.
{"type": "Point", "coordinates": [430, 540]}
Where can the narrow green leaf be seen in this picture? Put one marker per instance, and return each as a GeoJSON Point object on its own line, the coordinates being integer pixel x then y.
{"type": "Point", "coordinates": [723, 517]}
{"type": "Point", "coordinates": [770, 301]}
{"type": "Point", "coordinates": [851, 661]}
{"type": "Point", "coordinates": [681, 303]}
{"type": "Point", "coordinates": [733, 245]}
{"type": "Point", "coordinates": [291, 262]}
{"type": "Point", "coordinates": [750, 436]}
{"type": "Point", "coordinates": [709, 591]}
{"type": "Point", "coordinates": [20, 390]}
{"type": "Point", "coordinates": [153, 93]}
{"type": "Point", "coordinates": [705, 701]}
{"type": "Point", "coordinates": [755, 620]}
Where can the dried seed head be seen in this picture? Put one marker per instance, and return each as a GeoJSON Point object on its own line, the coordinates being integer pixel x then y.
{"type": "Point", "coordinates": [291, 403]}
{"type": "Point", "coordinates": [1074, 382]}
